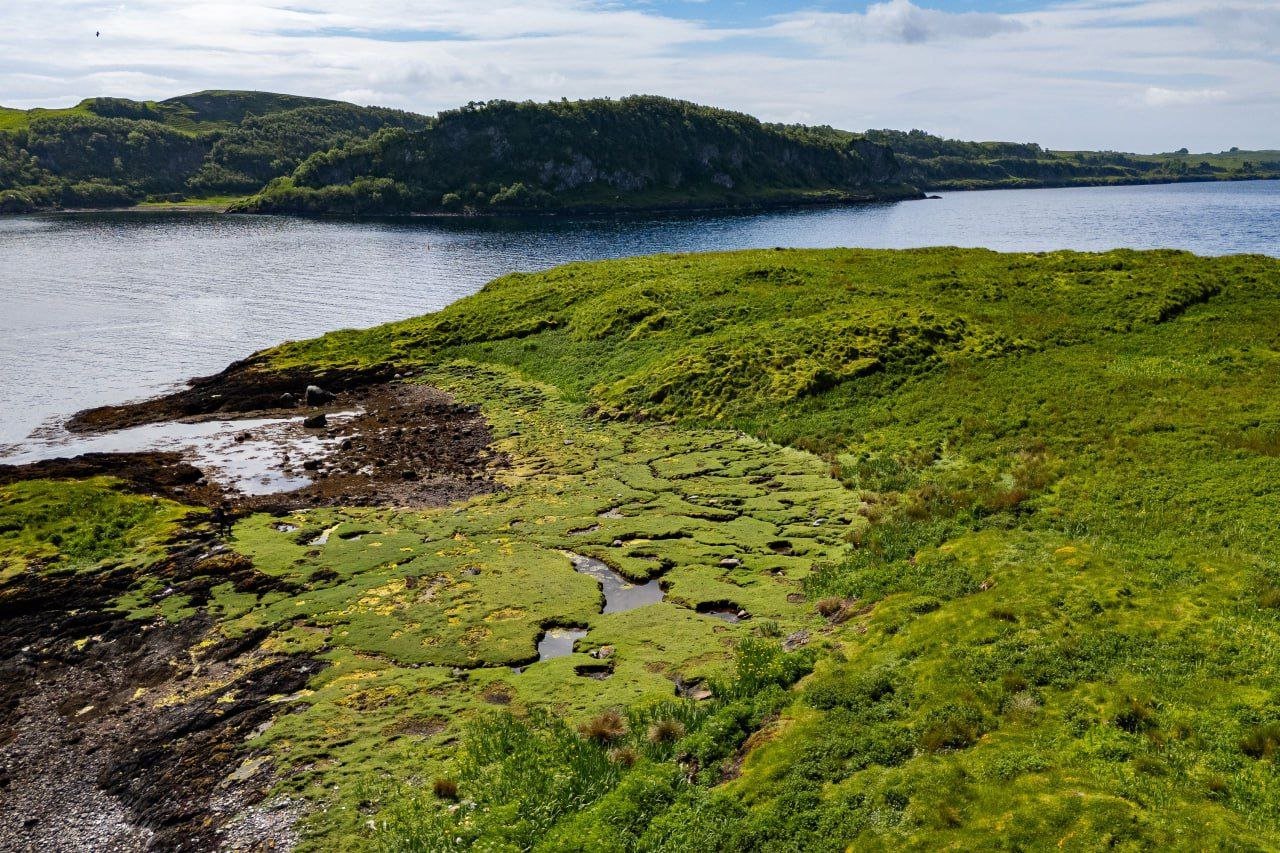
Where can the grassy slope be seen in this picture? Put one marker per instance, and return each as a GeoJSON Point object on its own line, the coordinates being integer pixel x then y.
{"type": "Point", "coordinates": [1068, 463]}
{"type": "Point", "coordinates": [1043, 600]}
{"type": "Point", "coordinates": [196, 112]}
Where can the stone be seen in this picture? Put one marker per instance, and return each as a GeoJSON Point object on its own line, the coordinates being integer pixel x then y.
{"type": "Point", "coordinates": [316, 396]}
{"type": "Point", "coordinates": [315, 421]}
{"type": "Point", "coordinates": [795, 641]}
{"type": "Point", "coordinates": [730, 563]}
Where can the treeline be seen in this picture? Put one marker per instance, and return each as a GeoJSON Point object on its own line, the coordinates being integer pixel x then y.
{"type": "Point", "coordinates": [113, 152]}
{"type": "Point", "coordinates": [637, 152]}
{"type": "Point", "coordinates": [936, 163]}
{"type": "Point", "coordinates": [308, 155]}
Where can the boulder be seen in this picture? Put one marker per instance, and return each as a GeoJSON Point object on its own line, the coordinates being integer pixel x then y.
{"type": "Point", "coordinates": [315, 421]}
{"type": "Point", "coordinates": [317, 396]}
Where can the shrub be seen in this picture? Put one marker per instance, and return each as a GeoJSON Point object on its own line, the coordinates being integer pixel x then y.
{"type": "Point", "coordinates": [666, 731]}
{"type": "Point", "coordinates": [830, 606]}
{"type": "Point", "coordinates": [605, 727]}
{"type": "Point", "coordinates": [1262, 741]}
{"type": "Point", "coordinates": [953, 726]}
{"type": "Point", "coordinates": [1135, 716]}
{"type": "Point", "coordinates": [624, 756]}
{"type": "Point", "coordinates": [878, 693]}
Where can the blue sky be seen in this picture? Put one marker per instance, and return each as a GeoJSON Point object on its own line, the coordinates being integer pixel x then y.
{"type": "Point", "coordinates": [1141, 75]}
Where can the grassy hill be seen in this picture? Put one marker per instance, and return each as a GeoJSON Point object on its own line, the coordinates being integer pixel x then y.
{"type": "Point", "coordinates": [116, 152]}
{"type": "Point", "coordinates": [296, 154]}
{"type": "Point", "coordinates": [950, 164]}
{"type": "Point", "coordinates": [633, 153]}
{"type": "Point", "coordinates": [1004, 523]}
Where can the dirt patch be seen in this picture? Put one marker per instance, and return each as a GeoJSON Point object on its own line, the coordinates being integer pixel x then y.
{"type": "Point", "coordinates": [411, 445]}
{"type": "Point", "coordinates": [122, 734]}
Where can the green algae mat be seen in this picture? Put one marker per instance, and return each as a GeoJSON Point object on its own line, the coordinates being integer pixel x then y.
{"type": "Point", "coordinates": [952, 549]}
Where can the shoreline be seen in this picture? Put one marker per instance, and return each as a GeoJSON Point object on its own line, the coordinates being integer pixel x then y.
{"type": "Point", "coordinates": [925, 194]}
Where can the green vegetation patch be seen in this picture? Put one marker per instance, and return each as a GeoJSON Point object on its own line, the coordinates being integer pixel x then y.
{"type": "Point", "coordinates": [1055, 618]}
{"type": "Point", "coordinates": [1014, 585]}
{"type": "Point", "coordinates": [74, 525]}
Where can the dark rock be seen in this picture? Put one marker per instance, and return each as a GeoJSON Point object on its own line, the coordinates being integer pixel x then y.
{"type": "Point", "coordinates": [795, 641]}
{"type": "Point", "coordinates": [317, 396]}
{"type": "Point", "coordinates": [316, 421]}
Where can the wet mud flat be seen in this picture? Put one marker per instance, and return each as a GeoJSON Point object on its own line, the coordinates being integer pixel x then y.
{"type": "Point", "coordinates": [123, 734]}
{"type": "Point", "coordinates": [385, 443]}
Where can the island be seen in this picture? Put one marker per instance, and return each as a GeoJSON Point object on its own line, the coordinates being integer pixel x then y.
{"type": "Point", "coordinates": [263, 152]}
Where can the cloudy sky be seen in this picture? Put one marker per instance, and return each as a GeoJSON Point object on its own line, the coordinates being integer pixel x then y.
{"type": "Point", "coordinates": [1138, 75]}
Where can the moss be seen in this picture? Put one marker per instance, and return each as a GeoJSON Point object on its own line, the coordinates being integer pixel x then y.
{"type": "Point", "coordinates": [66, 525]}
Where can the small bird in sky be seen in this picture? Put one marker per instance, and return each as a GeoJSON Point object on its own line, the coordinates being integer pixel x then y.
{"type": "Point", "coordinates": [97, 33]}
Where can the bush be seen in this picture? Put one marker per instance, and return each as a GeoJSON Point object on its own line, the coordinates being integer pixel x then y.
{"type": "Point", "coordinates": [1262, 741]}
{"type": "Point", "coordinates": [605, 727]}
{"type": "Point", "coordinates": [953, 726]}
{"type": "Point", "coordinates": [666, 731]}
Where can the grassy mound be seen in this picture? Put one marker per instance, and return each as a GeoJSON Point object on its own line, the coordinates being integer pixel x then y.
{"type": "Point", "coordinates": [1056, 617]}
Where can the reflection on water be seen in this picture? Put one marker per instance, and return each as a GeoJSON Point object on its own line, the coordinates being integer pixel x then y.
{"type": "Point", "coordinates": [102, 308]}
{"type": "Point", "coordinates": [258, 456]}
{"type": "Point", "coordinates": [619, 593]}
{"type": "Point", "coordinates": [558, 642]}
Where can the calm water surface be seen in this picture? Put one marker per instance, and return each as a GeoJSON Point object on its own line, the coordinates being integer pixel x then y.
{"type": "Point", "coordinates": [106, 307]}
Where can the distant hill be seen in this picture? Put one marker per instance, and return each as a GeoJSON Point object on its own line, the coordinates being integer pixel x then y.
{"type": "Point", "coordinates": [951, 164]}
{"type": "Point", "coordinates": [295, 154]}
{"type": "Point", "coordinates": [636, 153]}
{"type": "Point", "coordinates": [114, 151]}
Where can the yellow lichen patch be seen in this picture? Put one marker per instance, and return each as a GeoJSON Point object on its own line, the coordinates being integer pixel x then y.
{"type": "Point", "coordinates": [381, 600]}
{"type": "Point", "coordinates": [505, 613]}
{"type": "Point", "coordinates": [370, 698]}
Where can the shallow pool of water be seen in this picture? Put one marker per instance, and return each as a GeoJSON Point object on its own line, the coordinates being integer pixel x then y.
{"type": "Point", "coordinates": [620, 594]}
{"type": "Point", "coordinates": [258, 456]}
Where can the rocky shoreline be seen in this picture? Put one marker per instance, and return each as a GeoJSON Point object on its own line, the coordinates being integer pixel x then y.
{"type": "Point", "coordinates": [123, 734]}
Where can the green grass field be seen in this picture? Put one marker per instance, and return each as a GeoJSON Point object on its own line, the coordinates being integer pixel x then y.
{"type": "Point", "coordinates": [1022, 507]}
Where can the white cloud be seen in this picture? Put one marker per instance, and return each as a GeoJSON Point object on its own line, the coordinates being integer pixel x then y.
{"type": "Point", "coordinates": [1157, 96]}
{"type": "Point", "coordinates": [1075, 74]}
{"type": "Point", "coordinates": [894, 21]}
